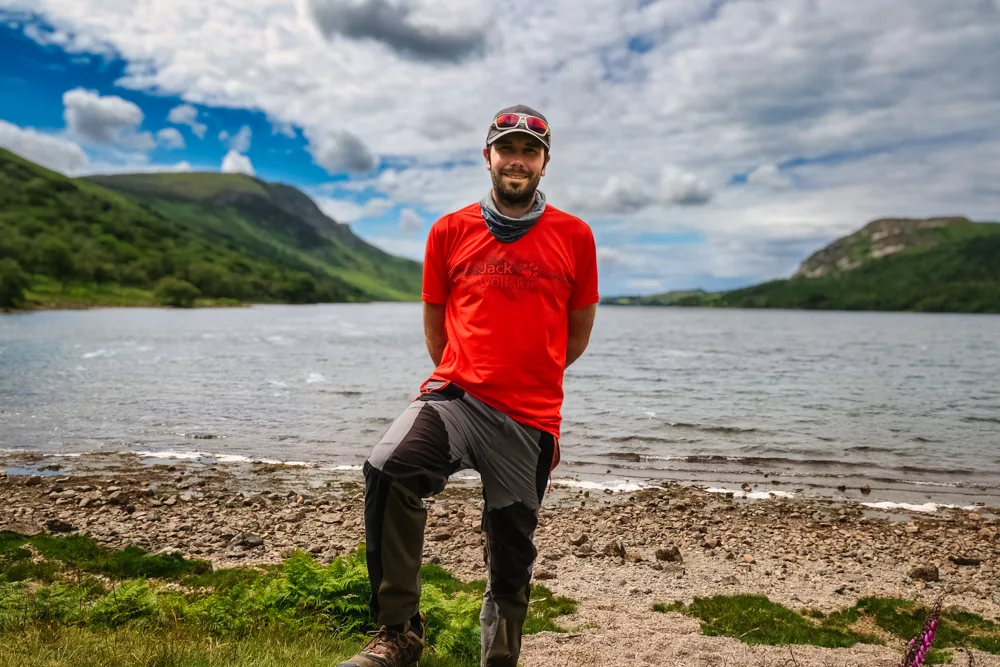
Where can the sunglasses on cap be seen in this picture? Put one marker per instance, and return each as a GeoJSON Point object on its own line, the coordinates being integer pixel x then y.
{"type": "Point", "coordinates": [533, 124]}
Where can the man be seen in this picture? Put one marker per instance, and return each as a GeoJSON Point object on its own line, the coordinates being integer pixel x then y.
{"type": "Point", "coordinates": [509, 298]}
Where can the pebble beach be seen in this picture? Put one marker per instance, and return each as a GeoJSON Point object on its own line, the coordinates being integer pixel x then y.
{"type": "Point", "coordinates": [616, 553]}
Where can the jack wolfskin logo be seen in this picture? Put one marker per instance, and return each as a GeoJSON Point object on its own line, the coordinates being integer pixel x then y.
{"type": "Point", "coordinates": [502, 267]}
{"type": "Point", "coordinates": [505, 271]}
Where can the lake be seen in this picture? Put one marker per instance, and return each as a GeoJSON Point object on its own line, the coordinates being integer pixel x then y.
{"type": "Point", "coordinates": [789, 401]}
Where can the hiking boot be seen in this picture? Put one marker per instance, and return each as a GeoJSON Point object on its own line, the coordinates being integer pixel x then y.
{"type": "Point", "coordinates": [390, 647]}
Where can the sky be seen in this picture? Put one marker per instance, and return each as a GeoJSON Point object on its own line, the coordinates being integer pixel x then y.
{"type": "Point", "coordinates": [708, 143]}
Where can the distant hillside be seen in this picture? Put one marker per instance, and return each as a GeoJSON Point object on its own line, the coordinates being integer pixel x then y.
{"type": "Point", "coordinates": [935, 264]}
{"type": "Point", "coordinates": [179, 239]}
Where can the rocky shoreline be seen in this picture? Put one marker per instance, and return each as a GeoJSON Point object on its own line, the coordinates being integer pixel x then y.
{"type": "Point", "coordinates": [617, 554]}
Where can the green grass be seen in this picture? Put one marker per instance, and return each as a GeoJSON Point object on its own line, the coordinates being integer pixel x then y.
{"type": "Point", "coordinates": [61, 646]}
{"type": "Point", "coordinates": [81, 554]}
{"type": "Point", "coordinates": [753, 619]}
{"type": "Point", "coordinates": [68, 600]}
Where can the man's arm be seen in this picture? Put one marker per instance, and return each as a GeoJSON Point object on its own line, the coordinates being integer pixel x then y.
{"type": "Point", "coordinates": [581, 322]}
{"type": "Point", "coordinates": [434, 331]}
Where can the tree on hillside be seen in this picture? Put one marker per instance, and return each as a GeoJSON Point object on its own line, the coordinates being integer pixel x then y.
{"type": "Point", "coordinates": [175, 292]}
{"type": "Point", "coordinates": [57, 258]}
{"type": "Point", "coordinates": [13, 282]}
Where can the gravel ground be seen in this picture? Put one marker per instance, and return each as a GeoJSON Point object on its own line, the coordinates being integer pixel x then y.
{"type": "Point", "coordinates": [617, 554]}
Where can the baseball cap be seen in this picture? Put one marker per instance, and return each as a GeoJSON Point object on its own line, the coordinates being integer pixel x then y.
{"type": "Point", "coordinates": [493, 134]}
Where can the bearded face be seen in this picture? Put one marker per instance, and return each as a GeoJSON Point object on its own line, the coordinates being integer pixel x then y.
{"type": "Point", "coordinates": [517, 164]}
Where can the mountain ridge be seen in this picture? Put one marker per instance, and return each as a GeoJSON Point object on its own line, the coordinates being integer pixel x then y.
{"type": "Point", "coordinates": [935, 264]}
{"type": "Point", "coordinates": [221, 238]}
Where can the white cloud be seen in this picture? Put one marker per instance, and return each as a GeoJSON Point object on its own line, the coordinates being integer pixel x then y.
{"type": "Point", "coordinates": [239, 142]}
{"type": "Point", "coordinates": [286, 129]}
{"type": "Point", "coordinates": [410, 220]}
{"type": "Point", "coordinates": [684, 188]}
{"type": "Point", "coordinates": [627, 192]}
{"type": "Point", "coordinates": [170, 137]}
{"type": "Point", "coordinates": [237, 163]}
{"type": "Point", "coordinates": [185, 114]}
{"type": "Point", "coordinates": [884, 103]}
{"type": "Point", "coordinates": [340, 150]}
{"type": "Point", "coordinates": [399, 246]}
{"type": "Point", "coordinates": [107, 120]}
{"type": "Point", "coordinates": [769, 176]}
{"type": "Point", "coordinates": [54, 153]}
{"type": "Point", "coordinates": [345, 210]}
{"type": "Point", "coordinates": [644, 284]}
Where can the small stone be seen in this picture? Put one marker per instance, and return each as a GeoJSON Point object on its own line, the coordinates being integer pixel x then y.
{"type": "Point", "coordinates": [577, 539]}
{"type": "Point", "coordinates": [34, 480]}
{"type": "Point", "coordinates": [248, 540]}
{"type": "Point", "coordinates": [748, 558]}
{"type": "Point", "coordinates": [986, 533]}
{"type": "Point", "coordinates": [615, 548]}
{"type": "Point", "coordinates": [545, 574]}
{"type": "Point", "coordinates": [59, 526]}
{"type": "Point", "coordinates": [960, 560]}
{"type": "Point", "coordinates": [866, 489]}
{"type": "Point", "coordinates": [670, 554]}
{"type": "Point", "coordinates": [171, 501]}
{"type": "Point", "coordinates": [911, 528]}
{"type": "Point", "coordinates": [925, 573]}
{"type": "Point", "coordinates": [440, 535]}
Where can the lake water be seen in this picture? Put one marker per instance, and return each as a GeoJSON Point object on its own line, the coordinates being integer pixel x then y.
{"type": "Point", "coordinates": [907, 403]}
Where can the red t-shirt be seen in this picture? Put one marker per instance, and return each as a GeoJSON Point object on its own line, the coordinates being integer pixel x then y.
{"type": "Point", "coordinates": [507, 308]}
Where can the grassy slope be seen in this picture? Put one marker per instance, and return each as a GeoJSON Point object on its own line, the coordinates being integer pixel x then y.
{"type": "Point", "coordinates": [960, 273]}
{"type": "Point", "coordinates": [260, 214]}
{"type": "Point", "coordinates": [116, 246]}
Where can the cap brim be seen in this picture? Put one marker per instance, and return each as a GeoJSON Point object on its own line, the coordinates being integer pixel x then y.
{"type": "Point", "coordinates": [504, 133]}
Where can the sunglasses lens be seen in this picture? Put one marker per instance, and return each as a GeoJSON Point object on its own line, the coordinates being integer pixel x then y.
{"type": "Point", "coordinates": [508, 120]}
{"type": "Point", "coordinates": [536, 125]}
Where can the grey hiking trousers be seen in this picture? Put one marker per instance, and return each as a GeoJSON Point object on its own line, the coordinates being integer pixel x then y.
{"type": "Point", "coordinates": [442, 431]}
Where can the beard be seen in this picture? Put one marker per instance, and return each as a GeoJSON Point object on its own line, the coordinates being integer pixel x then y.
{"type": "Point", "coordinates": [518, 193]}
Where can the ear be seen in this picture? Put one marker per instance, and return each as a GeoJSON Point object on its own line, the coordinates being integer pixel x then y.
{"type": "Point", "coordinates": [548, 156]}
{"type": "Point", "coordinates": [486, 154]}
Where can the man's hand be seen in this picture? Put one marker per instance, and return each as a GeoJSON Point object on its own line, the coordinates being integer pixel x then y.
{"type": "Point", "coordinates": [434, 331]}
{"type": "Point", "coordinates": [581, 322]}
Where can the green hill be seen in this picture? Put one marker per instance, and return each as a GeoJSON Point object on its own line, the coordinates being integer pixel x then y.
{"type": "Point", "coordinates": [934, 264]}
{"type": "Point", "coordinates": [178, 239]}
